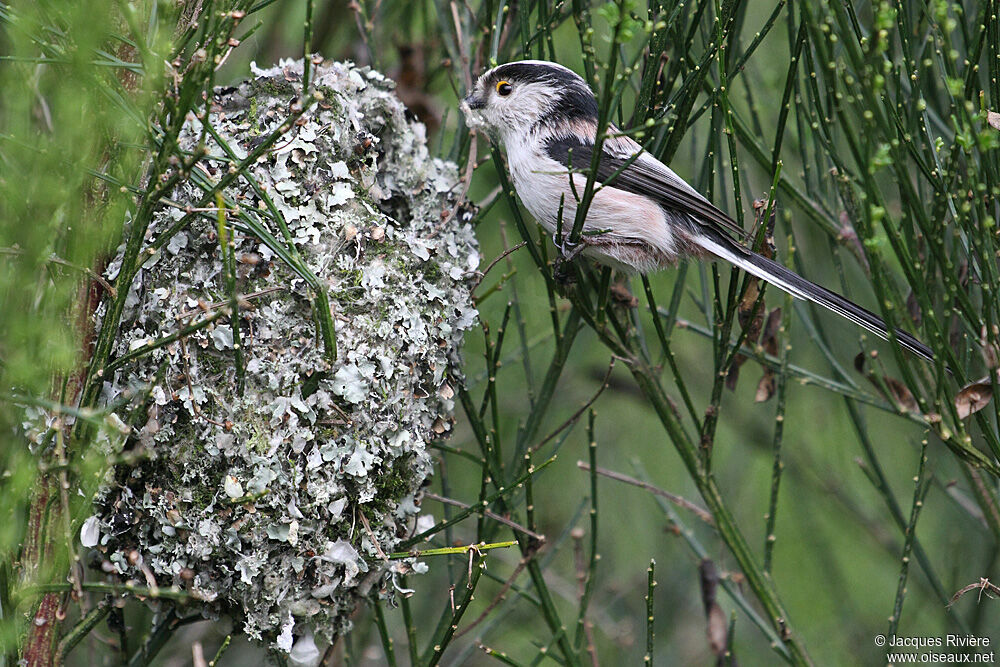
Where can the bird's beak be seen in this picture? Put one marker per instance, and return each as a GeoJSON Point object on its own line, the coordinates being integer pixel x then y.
{"type": "Point", "coordinates": [470, 107]}
{"type": "Point", "coordinates": [473, 102]}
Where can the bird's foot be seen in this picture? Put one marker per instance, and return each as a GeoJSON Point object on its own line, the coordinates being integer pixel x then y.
{"type": "Point", "coordinates": [567, 253]}
{"type": "Point", "coordinates": [568, 250]}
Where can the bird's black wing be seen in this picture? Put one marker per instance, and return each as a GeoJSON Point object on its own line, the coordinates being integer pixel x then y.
{"type": "Point", "coordinates": [641, 179]}
{"type": "Point", "coordinates": [716, 232]}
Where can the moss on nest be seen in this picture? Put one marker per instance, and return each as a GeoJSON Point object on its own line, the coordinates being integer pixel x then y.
{"type": "Point", "coordinates": [250, 501]}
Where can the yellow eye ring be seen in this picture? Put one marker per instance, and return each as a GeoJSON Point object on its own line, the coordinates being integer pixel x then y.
{"type": "Point", "coordinates": [504, 88]}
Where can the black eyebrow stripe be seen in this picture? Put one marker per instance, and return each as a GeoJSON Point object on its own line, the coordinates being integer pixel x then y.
{"type": "Point", "coordinates": [535, 72]}
{"type": "Point", "coordinates": [641, 180]}
{"type": "Point", "coordinates": [575, 99]}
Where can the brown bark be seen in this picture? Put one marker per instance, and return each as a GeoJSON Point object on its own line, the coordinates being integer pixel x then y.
{"type": "Point", "coordinates": [40, 645]}
{"type": "Point", "coordinates": [39, 648]}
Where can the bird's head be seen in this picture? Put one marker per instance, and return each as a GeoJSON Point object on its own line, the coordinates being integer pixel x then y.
{"type": "Point", "coordinates": [512, 99]}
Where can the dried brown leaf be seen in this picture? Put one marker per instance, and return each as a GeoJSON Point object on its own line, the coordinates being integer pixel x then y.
{"type": "Point", "coordinates": [973, 397]}
{"type": "Point", "coordinates": [901, 395]}
{"type": "Point", "coordinates": [914, 308]}
{"type": "Point", "coordinates": [990, 356]}
{"type": "Point", "coordinates": [751, 318]}
{"type": "Point", "coordinates": [708, 576]}
{"type": "Point", "coordinates": [620, 294]}
{"type": "Point", "coordinates": [718, 627]}
{"type": "Point", "coordinates": [769, 339]}
{"type": "Point", "coordinates": [733, 376]}
{"type": "Point", "coordinates": [989, 350]}
{"type": "Point", "coordinates": [718, 630]}
{"type": "Point", "coordinates": [759, 209]}
{"type": "Point", "coordinates": [765, 387]}
{"type": "Point", "coordinates": [751, 313]}
{"type": "Point", "coordinates": [859, 362]}
{"type": "Point", "coordinates": [890, 388]}
{"type": "Point", "coordinates": [849, 237]}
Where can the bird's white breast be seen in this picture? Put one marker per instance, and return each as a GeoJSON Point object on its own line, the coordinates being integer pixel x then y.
{"type": "Point", "coordinates": [623, 217]}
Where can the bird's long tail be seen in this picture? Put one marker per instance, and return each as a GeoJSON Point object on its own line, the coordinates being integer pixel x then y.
{"type": "Point", "coordinates": [722, 246]}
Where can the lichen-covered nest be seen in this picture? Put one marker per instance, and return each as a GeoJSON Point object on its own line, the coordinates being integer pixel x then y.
{"type": "Point", "coordinates": [277, 503]}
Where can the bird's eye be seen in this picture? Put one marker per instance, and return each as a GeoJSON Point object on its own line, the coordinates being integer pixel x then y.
{"type": "Point", "coordinates": [504, 88]}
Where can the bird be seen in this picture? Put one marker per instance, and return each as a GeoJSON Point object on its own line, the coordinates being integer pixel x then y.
{"type": "Point", "coordinates": [643, 217]}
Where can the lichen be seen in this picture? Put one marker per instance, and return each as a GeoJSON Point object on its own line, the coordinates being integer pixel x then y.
{"type": "Point", "coordinates": [276, 504]}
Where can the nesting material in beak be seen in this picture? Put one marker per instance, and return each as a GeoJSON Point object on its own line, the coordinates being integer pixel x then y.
{"type": "Point", "coordinates": [470, 106]}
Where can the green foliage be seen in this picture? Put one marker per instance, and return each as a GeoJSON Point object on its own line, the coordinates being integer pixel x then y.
{"type": "Point", "coordinates": [66, 153]}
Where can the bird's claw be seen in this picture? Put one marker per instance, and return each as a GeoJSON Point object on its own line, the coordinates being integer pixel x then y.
{"type": "Point", "coordinates": [567, 253]}
{"type": "Point", "coordinates": [567, 249]}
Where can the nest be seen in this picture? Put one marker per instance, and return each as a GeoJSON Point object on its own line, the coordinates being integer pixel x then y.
{"type": "Point", "coordinates": [273, 477]}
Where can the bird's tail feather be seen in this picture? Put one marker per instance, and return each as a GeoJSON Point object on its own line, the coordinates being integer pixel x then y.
{"type": "Point", "coordinates": [788, 281]}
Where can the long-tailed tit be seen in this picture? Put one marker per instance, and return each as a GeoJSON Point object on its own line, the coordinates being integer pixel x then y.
{"type": "Point", "coordinates": [644, 217]}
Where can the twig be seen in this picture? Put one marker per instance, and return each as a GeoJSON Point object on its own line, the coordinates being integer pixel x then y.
{"type": "Point", "coordinates": [505, 253]}
{"type": "Point", "coordinates": [586, 570]}
{"type": "Point", "coordinates": [214, 305]}
{"type": "Point", "coordinates": [495, 654]}
{"type": "Point", "coordinates": [442, 639]}
{"type": "Point", "coordinates": [411, 629]}
{"type": "Point", "coordinates": [187, 378]}
{"type": "Point", "coordinates": [93, 275]}
{"type": "Point", "coordinates": [451, 551]}
{"type": "Point", "coordinates": [198, 655]}
{"type": "Point", "coordinates": [781, 337]}
{"type": "Point", "coordinates": [383, 633]}
{"type": "Point", "coordinates": [650, 585]}
{"type": "Point", "coordinates": [921, 486]}
{"type": "Point", "coordinates": [81, 629]}
{"type": "Point", "coordinates": [697, 510]}
{"type": "Point", "coordinates": [492, 515]}
{"type": "Point", "coordinates": [497, 599]}
{"type": "Point", "coordinates": [307, 30]}
{"type": "Point", "coordinates": [63, 482]}
{"type": "Point", "coordinates": [420, 537]}
{"type": "Point", "coordinates": [583, 408]}
{"type": "Point", "coordinates": [222, 649]}
{"type": "Point", "coordinates": [126, 588]}
{"type": "Point", "coordinates": [984, 585]}
{"type": "Point", "coordinates": [180, 335]}
{"type": "Point", "coordinates": [584, 627]}
{"type": "Point", "coordinates": [371, 536]}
